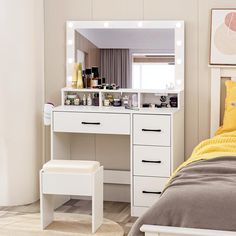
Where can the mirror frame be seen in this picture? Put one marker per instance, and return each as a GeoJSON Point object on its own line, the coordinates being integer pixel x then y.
{"type": "Point", "coordinates": [178, 26]}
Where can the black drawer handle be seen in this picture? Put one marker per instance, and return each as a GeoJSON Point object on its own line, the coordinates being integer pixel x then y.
{"type": "Point", "coordinates": [90, 123]}
{"type": "Point", "coordinates": [152, 130]}
{"type": "Point", "coordinates": [150, 192]}
{"type": "Point", "coordinates": [146, 161]}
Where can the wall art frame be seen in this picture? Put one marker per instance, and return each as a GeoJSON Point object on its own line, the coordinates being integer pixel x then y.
{"type": "Point", "coordinates": [223, 37]}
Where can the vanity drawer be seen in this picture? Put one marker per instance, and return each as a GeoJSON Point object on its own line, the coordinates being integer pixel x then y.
{"type": "Point", "coordinates": [152, 161]}
{"type": "Point", "coordinates": [147, 190]}
{"type": "Point", "coordinates": [152, 129]}
{"type": "Point", "coordinates": [99, 123]}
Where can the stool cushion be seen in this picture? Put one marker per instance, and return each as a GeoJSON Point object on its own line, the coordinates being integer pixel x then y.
{"type": "Point", "coordinates": [71, 166]}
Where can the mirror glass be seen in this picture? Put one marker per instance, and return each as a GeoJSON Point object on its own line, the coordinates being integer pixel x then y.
{"type": "Point", "coordinates": [135, 57]}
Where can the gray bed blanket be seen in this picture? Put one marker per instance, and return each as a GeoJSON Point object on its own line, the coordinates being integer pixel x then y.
{"type": "Point", "coordinates": [201, 195]}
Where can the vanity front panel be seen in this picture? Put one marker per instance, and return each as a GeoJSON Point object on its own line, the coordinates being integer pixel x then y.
{"type": "Point", "coordinates": [147, 190]}
{"type": "Point", "coordinates": [97, 123]}
{"type": "Point", "coordinates": [152, 161]}
{"type": "Point", "coordinates": [152, 130]}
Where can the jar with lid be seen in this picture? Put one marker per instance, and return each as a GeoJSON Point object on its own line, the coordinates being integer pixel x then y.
{"type": "Point", "coordinates": [110, 98]}
{"type": "Point", "coordinates": [125, 101]}
{"type": "Point", "coordinates": [71, 98]}
{"type": "Point", "coordinates": [117, 102]}
{"type": "Point", "coordinates": [76, 101]}
{"type": "Point", "coordinates": [96, 99]}
{"type": "Point", "coordinates": [106, 102]}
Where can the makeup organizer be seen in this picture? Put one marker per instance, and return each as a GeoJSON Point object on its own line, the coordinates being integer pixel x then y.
{"type": "Point", "coordinates": [122, 98]}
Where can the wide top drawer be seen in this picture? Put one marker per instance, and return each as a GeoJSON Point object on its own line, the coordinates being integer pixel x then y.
{"type": "Point", "coordinates": [152, 130]}
{"type": "Point", "coordinates": [99, 123]}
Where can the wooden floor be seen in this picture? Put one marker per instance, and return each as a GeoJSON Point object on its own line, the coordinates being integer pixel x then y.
{"type": "Point", "coordinates": [116, 211]}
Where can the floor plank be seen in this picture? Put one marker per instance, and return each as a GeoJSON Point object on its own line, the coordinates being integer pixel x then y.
{"type": "Point", "coordinates": [116, 211]}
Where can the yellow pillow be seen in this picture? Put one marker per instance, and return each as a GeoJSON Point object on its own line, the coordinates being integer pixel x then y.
{"type": "Point", "coordinates": [229, 122]}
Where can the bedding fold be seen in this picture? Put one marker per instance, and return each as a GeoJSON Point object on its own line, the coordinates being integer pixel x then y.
{"type": "Point", "coordinates": [218, 146]}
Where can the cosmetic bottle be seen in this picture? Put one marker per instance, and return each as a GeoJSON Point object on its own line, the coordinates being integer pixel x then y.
{"type": "Point", "coordinates": [84, 79]}
{"type": "Point", "coordinates": [134, 100]}
{"type": "Point", "coordinates": [88, 77]}
{"type": "Point", "coordinates": [96, 99]}
{"type": "Point", "coordinates": [104, 83]}
{"type": "Point", "coordinates": [89, 100]}
{"type": "Point", "coordinates": [79, 77]}
{"type": "Point", "coordinates": [84, 100]}
{"type": "Point", "coordinates": [76, 102]}
{"type": "Point", "coordinates": [95, 77]}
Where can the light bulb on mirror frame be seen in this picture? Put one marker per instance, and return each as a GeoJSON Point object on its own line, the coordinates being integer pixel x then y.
{"type": "Point", "coordinates": [178, 25]}
{"type": "Point", "coordinates": [70, 24]}
{"type": "Point", "coordinates": [178, 61]}
{"type": "Point", "coordinates": [70, 60]}
{"type": "Point", "coordinates": [70, 42]}
{"type": "Point", "coordinates": [179, 43]}
{"type": "Point", "coordinates": [106, 24]}
{"type": "Point", "coordinates": [179, 82]}
{"type": "Point", "coordinates": [140, 24]}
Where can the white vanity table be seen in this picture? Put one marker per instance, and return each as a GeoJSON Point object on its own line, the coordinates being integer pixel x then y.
{"type": "Point", "coordinates": [138, 148]}
{"type": "Point", "coordinates": [155, 137]}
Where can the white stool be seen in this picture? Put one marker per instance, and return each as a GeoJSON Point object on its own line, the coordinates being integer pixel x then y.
{"type": "Point", "coordinates": [62, 177]}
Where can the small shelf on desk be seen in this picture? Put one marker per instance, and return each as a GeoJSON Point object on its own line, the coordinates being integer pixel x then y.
{"type": "Point", "coordinates": [143, 96]}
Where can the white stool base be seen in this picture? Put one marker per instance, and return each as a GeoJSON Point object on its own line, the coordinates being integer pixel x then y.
{"type": "Point", "coordinates": [85, 184]}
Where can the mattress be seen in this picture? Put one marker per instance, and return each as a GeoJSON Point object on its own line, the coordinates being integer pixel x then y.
{"type": "Point", "coordinates": [201, 195]}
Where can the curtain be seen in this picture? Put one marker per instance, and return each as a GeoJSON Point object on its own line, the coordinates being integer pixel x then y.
{"type": "Point", "coordinates": [115, 66]}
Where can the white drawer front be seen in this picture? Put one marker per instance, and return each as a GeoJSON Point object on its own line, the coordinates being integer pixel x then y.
{"type": "Point", "coordinates": [147, 190]}
{"type": "Point", "coordinates": [152, 161]}
{"type": "Point", "coordinates": [99, 123]}
{"type": "Point", "coordinates": [152, 130]}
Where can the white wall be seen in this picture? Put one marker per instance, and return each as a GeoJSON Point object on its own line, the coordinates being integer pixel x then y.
{"type": "Point", "coordinates": [21, 99]}
{"type": "Point", "coordinates": [195, 13]}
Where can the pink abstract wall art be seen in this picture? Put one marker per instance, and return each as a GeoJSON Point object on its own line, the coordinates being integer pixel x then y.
{"type": "Point", "coordinates": [223, 37]}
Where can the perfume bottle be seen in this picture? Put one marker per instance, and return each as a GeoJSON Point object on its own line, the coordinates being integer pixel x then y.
{"type": "Point", "coordinates": [89, 100]}
{"type": "Point", "coordinates": [79, 77]}
{"type": "Point", "coordinates": [88, 73]}
{"type": "Point", "coordinates": [95, 77]}
{"type": "Point", "coordinates": [84, 100]}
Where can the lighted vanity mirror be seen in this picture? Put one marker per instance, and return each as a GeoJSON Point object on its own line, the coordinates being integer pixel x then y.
{"type": "Point", "coordinates": [131, 54]}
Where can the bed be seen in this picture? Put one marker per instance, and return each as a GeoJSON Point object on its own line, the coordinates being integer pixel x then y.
{"type": "Point", "coordinates": [200, 198]}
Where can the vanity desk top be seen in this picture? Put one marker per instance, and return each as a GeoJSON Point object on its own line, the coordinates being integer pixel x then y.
{"type": "Point", "coordinates": [96, 109]}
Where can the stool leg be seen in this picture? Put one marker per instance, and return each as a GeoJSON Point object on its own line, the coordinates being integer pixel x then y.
{"type": "Point", "coordinates": [97, 200]}
{"type": "Point", "coordinates": [46, 206]}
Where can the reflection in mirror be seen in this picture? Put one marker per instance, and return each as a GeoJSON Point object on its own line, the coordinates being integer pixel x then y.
{"type": "Point", "coordinates": [135, 57]}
